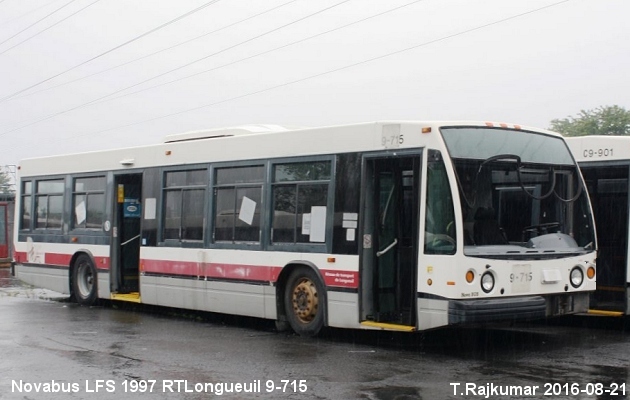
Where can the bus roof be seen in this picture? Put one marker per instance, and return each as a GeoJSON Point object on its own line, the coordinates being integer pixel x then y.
{"type": "Point", "coordinates": [251, 142]}
{"type": "Point", "coordinates": [595, 148]}
{"type": "Point", "coordinates": [225, 132]}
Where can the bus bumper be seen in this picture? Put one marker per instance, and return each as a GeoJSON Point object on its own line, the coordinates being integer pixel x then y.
{"type": "Point", "coordinates": [515, 308]}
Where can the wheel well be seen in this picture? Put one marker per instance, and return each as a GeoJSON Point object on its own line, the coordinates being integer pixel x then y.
{"type": "Point", "coordinates": [71, 267]}
{"type": "Point", "coordinates": [281, 284]}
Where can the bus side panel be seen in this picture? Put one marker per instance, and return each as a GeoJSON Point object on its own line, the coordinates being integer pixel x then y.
{"type": "Point", "coordinates": [343, 309]}
{"type": "Point", "coordinates": [222, 297]}
{"type": "Point", "coordinates": [237, 298]}
{"type": "Point", "coordinates": [432, 313]}
{"type": "Point", "coordinates": [52, 278]}
{"type": "Point", "coordinates": [104, 291]}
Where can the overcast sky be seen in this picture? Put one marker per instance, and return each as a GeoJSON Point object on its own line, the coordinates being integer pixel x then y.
{"type": "Point", "coordinates": [81, 75]}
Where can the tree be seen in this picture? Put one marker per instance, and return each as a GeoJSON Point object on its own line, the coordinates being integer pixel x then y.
{"type": "Point", "coordinates": [604, 120]}
{"type": "Point", "coordinates": [6, 186]}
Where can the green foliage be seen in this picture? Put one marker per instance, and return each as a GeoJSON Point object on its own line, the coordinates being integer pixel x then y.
{"type": "Point", "coordinates": [5, 183]}
{"type": "Point", "coordinates": [605, 120]}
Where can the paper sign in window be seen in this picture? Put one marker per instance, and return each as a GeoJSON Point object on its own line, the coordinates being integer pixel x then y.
{"type": "Point", "coordinates": [349, 224]}
{"type": "Point", "coordinates": [150, 208]}
{"type": "Point", "coordinates": [350, 216]}
{"type": "Point", "coordinates": [350, 220]}
{"type": "Point", "coordinates": [350, 235]}
{"type": "Point", "coordinates": [248, 209]}
{"type": "Point", "coordinates": [318, 224]}
{"type": "Point", "coordinates": [306, 224]}
{"type": "Point", "coordinates": [80, 212]}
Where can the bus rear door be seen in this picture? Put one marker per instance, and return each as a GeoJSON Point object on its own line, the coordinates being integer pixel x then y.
{"type": "Point", "coordinates": [126, 237]}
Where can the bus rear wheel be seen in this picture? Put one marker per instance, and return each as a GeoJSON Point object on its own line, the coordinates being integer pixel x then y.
{"type": "Point", "coordinates": [84, 281]}
{"type": "Point", "coordinates": [304, 302]}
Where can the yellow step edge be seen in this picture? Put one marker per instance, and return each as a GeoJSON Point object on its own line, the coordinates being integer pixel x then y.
{"type": "Point", "coordinates": [131, 297]}
{"type": "Point", "coordinates": [606, 313]}
{"type": "Point", "coordinates": [390, 327]}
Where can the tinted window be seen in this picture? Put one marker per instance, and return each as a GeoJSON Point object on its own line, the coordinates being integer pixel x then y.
{"type": "Point", "coordinates": [184, 204]}
{"type": "Point", "coordinates": [89, 202]}
{"type": "Point", "coordinates": [27, 202]}
{"type": "Point", "coordinates": [300, 204]}
{"type": "Point", "coordinates": [49, 204]}
{"type": "Point", "coordinates": [238, 197]}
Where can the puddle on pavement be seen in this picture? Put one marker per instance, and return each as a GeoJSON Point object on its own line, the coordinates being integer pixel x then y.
{"type": "Point", "coordinates": [392, 393]}
{"type": "Point", "coordinates": [6, 280]}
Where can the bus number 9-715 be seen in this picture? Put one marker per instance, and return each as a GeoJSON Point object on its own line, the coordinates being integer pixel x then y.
{"type": "Point", "coordinates": [392, 140]}
{"type": "Point", "coordinates": [521, 277]}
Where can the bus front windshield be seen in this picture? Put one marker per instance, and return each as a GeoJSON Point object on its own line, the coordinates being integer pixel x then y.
{"type": "Point", "coordinates": [521, 194]}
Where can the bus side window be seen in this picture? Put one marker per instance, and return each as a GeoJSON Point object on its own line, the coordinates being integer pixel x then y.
{"type": "Point", "coordinates": [300, 202]}
{"type": "Point", "coordinates": [27, 201]}
{"type": "Point", "coordinates": [49, 204]}
{"type": "Point", "coordinates": [184, 195]}
{"type": "Point", "coordinates": [440, 215]}
{"type": "Point", "coordinates": [88, 207]}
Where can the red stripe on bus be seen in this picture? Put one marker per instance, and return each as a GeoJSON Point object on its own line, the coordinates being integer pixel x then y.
{"type": "Point", "coordinates": [212, 270]}
{"type": "Point", "coordinates": [19, 256]}
{"type": "Point", "coordinates": [59, 259]}
{"type": "Point", "coordinates": [260, 273]}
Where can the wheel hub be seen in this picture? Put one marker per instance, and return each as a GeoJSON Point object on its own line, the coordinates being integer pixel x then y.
{"type": "Point", "coordinates": [305, 300]}
{"type": "Point", "coordinates": [86, 280]}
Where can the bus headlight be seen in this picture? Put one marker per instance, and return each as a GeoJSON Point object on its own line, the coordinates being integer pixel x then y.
{"type": "Point", "coordinates": [487, 282]}
{"type": "Point", "coordinates": [576, 277]}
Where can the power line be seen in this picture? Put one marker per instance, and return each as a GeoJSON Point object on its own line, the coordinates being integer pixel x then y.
{"type": "Point", "coordinates": [159, 51]}
{"type": "Point", "coordinates": [44, 30]}
{"type": "Point", "coordinates": [36, 22]}
{"type": "Point", "coordinates": [28, 12]}
{"type": "Point", "coordinates": [262, 53]}
{"type": "Point", "coordinates": [220, 51]}
{"type": "Point", "coordinates": [115, 48]}
{"type": "Point", "coordinates": [102, 98]}
{"type": "Point", "coordinates": [333, 70]}
{"type": "Point", "coordinates": [366, 61]}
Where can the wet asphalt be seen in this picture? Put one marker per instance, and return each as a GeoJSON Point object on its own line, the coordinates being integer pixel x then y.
{"type": "Point", "coordinates": [51, 348]}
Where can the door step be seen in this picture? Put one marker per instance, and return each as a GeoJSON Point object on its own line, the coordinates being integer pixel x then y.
{"type": "Point", "coordinates": [130, 297]}
{"type": "Point", "coordinates": [606, 313]}
{"type": "Point", "coordinates": [389, 327]}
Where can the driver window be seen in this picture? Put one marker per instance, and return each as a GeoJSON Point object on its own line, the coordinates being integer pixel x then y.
{"type": "Point", "coordinates": [440, 216]}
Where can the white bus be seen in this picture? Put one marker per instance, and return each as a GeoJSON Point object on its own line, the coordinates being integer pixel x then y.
{"type": "Point", "coordinates": [390, 225]}
{"type": "Point", "coordinates": [605, 165]}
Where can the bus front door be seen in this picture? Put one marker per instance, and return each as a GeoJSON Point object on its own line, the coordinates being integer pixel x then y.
{"type": "Point", "coordinates": [126, 236]}
{"type": "Point", "coordinates": [390, 240]}
{"type": "Point", "coordinates": [4, 234]}
{"type": "Point", "coordinates": [608, 190]}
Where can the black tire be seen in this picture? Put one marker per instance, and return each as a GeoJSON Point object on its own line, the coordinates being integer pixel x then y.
{"type": "Point", "coordinates": [304, 302]}
{"type": "Point", "coordinates": [84, 281]}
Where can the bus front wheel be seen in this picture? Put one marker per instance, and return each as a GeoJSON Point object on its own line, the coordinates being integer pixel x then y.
{"type": "Point", "coordinates": [84, 281]}
{"type": "Point", "coordinates": [304, 302]}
